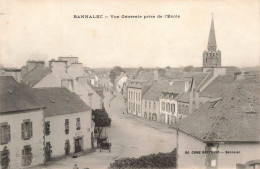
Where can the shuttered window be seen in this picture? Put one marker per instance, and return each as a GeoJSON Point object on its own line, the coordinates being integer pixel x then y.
{"type": "Point", "coordinates": [67, 127]}
{"type": "Point", "coordinates": [27, 129]}
{"type": "Point", "coordinates": [47, 128]}
{"type": "Point", "coordinates": [4, 157]}
{"type": "Point", "coordinates": [5, 133]}
{"type": "Point", "coordinates": [78, 124]}
{"type": "Point", "coordinates": [27, 155]}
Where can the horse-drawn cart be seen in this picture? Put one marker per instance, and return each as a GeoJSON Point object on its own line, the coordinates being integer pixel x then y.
{"type": "Point", "coordinates": [104, 144]}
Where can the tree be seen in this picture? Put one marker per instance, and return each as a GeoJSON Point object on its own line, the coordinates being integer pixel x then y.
{"type": "Point", "coordinates": [114, 73]}
{"type": "Point", "coordinates": [101, 119]}
{"type": "Point", "coordinates": [187, 69]}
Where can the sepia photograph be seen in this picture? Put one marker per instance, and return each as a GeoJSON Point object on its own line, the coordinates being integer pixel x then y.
{"type": "Point", "coordinates": [129, 84]}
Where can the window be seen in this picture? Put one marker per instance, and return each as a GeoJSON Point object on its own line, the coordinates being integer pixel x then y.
{"type": "Point", "coordinates": [145, 104]}
{"type": "Point", "coordinates": [172, 108]}
{"type": "Point", "coordinates": [4, 158]}
{"type": "Point", "coordinates": [78, 124]}
{"type": "Point", "coordinates": [27, 130]}
{"type": "Point", "coordinates": [27, 155]}
{"type": "Point", "coordinates": [129, 95]}
{"type": "Point", "coordinates": [5, 133]}
{"type": "Point", "coordinates": [47, 128]}
{"type": "Point", "coordinates": [67, 147]}
{"type": "Point", "coordinates": [149, 105]}
{"type": "Point", "coordinates": [154, 105]}
{"type": "Point", "coordinates": [163, 106]}
{"type": "Point", "coordinates": [67, 127]}
{"type": "Point", "coordinates": [168, 107]}
{"type": "Point", "coordinates": [213, 163]}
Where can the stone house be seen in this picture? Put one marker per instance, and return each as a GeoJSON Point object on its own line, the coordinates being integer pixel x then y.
{"type": "Point", "coordinates": [21, 126]}
{"type": "Point", "coordinates": [68, 122]}
{"type": "Point", "coordinates": [150, 100]}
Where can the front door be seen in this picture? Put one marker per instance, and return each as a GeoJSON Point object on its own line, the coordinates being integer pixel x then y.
{"type": "Point", "coordinates": [78, 147]}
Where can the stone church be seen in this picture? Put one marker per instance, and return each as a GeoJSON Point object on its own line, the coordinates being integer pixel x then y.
{"type": "Point", "coordinates": [212, 57]}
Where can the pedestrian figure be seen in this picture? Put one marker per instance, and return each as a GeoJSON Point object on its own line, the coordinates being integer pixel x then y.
{"type": "Point", "coordinates": [75, 167]}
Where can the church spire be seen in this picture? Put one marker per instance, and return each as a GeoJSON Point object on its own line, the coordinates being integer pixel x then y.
{"type": "Point", "coordinates": [212, 44]}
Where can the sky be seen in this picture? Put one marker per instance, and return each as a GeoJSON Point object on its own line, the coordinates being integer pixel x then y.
{"type": "Point", "coordinates": [46, 29]}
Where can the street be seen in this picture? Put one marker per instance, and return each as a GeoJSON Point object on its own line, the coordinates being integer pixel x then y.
{"type": "Point", "coordinates": [130, 137]}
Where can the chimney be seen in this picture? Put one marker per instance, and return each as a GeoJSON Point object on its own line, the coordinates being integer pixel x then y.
{"type": "Point", "coordinates": [68, 83]}
{"type": "Point", "coordinates": [191, 96]}
{"type": "Point", "coordinates": [31, 64]}
{"type": "Point", "coordinates": [196, 99]}
{"type": "Point", "coordinates": [156, 74]}
{"type": "Point", "coordinates": [76, 70]}
{"type": "Point", "coordinates": [58, 66]}
{"type": "Point", "coordinates": [186, 86]}
{"type": "Point", "coordinates": [16, 73]}
{"type": "Point", "coordinates": [69, 59]}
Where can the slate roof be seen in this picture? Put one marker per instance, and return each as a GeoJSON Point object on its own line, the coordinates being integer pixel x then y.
{"type": "Point", "coordinates": [8, 82]}
{"type": "Point", "coordinates": [197, 76]}
{"type": "Point", "coordinates": [184, 97]}
{"type": "Point", "coordinates": [176, 87]}
{"type": "Point", "coordinates": [98, 90]}
{"type": "Point", "coordinates": [59, 101]}
{"type": "Point", "coordinates": [15, 97]}
{"type": "Point", "coordinates": [35, 75]}
{"type": "Point", "coordinates": [155, 91]}
{"type": "Point", "coordinates": [145, 77]}
{"type": "Point", "coordinates": [229, 120]}
{"type": "Point", "coordinates": [217, 86]}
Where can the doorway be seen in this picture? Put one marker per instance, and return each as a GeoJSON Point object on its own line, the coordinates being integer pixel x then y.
{"type": "Point", "coordinates": [78, 145]}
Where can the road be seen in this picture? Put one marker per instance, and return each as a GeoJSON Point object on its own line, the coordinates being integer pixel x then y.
{"type": "Point", "coordinates": [130, 136]}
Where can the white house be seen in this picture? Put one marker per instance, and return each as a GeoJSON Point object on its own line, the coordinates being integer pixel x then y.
{"type": "Point", "coordinates": [21, 126]}
{"type": "Point", "coordinates": [60, 74]}
{"type": "Point", "coordinates": [120, 82]}
{"type": "Point", "coordinates": [68, 122]}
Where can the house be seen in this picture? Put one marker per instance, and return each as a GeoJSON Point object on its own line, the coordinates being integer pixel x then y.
{"type": "Point", "coordinates": [224, 132]}
{"type": "Point", "coordinates": [68, 122]}
{"type": "Point", "coordinates": [151, 102]}
{"type": "Point", "coordinates": [135, 92]}
{"type": "Point", "coordinates": [120, 83]}
{"type": "Point", "coordinates": [60, 74]}
{"type": "Point", "coordinates": [21, 126]}
{"type": "Point", "coordinates": [169, 103]}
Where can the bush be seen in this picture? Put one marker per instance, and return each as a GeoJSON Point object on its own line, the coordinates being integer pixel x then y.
{"type": "Point", "coordinates": [160, 160]}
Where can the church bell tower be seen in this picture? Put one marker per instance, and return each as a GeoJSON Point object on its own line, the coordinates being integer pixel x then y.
{"type": "Point", "coordinates": [212, 57]}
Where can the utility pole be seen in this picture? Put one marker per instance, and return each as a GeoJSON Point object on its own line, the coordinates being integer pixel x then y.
{"type": "Point", "coordinates": [177, 139]}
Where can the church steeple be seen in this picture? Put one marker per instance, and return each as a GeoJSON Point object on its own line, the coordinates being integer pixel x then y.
{"type": "Point", "coordinates": [212, 44]}
{"type": "Point", "coordinates": [212, 57]}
